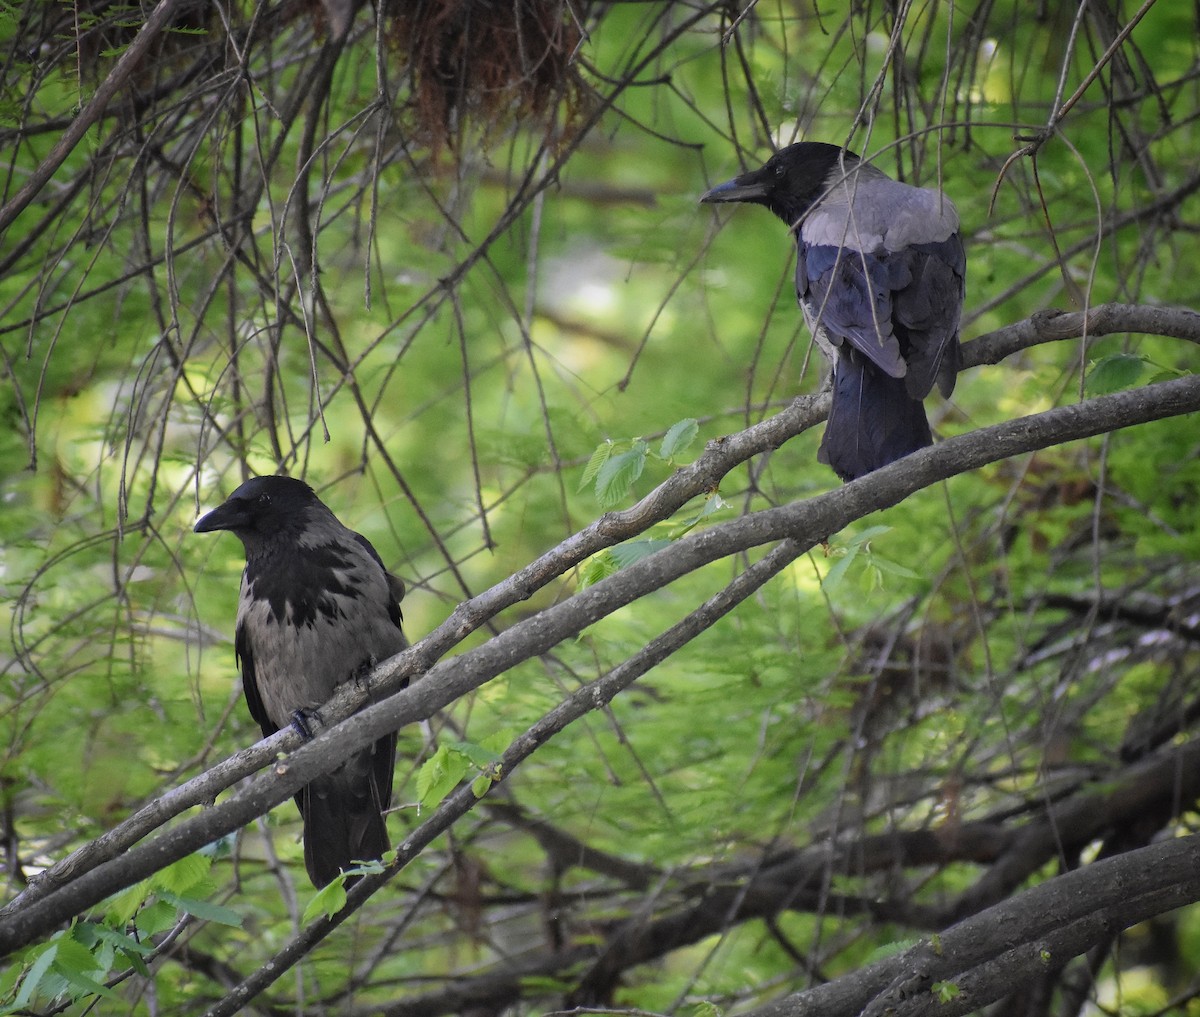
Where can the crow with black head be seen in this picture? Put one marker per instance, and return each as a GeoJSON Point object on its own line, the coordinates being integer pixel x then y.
{"type": "Point", "coordinates": [317, 607]}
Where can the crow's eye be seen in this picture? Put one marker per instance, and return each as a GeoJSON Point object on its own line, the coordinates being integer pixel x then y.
{"type": "Point", "coordinates": [779, 169]}
{"type": "Point", "coordinates": [264, 499]}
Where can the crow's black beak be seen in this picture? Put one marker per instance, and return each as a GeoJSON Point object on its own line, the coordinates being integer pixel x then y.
{"type": "Point", "coordinates": [230, 516]}
{"type": "Point", "coordinates": [747, 187]}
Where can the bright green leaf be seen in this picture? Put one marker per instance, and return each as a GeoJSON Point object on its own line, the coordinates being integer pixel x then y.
{"type": "Point", "coordinates": [36, 974]}
{"type": "Point", "coordinates": [1113, 373]}
{"type": "Point", "coordinates": [182, 875]}
{"type": "Point", "coordinates": [944, 992]}
{"type": "Point", "coordinates": [327, 901]}
{"type": "Point", "coordinates": [202, 909]}
{"type": "Point", "coordinates": [635, 550]}
{"type": "Point", "coordinates": [156, 917]}
{"type": "Point", "coordinates": [477, 754]}
{"type": "Point", "coordinates": [599, 566]}
{"type": "Point", "coordinates": [121, 908]}
{"type": "Point", "coordinates": [439, 775]}
{"type": "Point", "coordinates": [678, 438]}
{"type": "Point", "coordinates": [598, 458]}
{"type": "Point", "coordinates": [618, 474]}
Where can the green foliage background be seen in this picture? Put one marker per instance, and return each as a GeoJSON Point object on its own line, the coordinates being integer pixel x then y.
{"type": "Point", "coordinates": [444, 372]}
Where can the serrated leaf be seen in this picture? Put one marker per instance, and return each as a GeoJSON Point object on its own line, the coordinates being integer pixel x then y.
{"type": "Point", "coordinates": [894, 568]}
{"type": "Point", "coordinates": [618, 474]}
{"type": "Point", "coordinates": [713, 503]}
{"type": "Point", "coordinates": [1113, 373]}
{"type": "Point", "coordinates": [1165, 374]}
{"type": "Point", "coordinates": [498, 742]}
{"type": "Point", "coordinates": [837, 571]}
{"type": "Point", "coordinates": [598, 458]}
{"type": "Point", "coordinates": [439, 775]}
{"type": "Point", "coordinates": [635, 550]}
{"type": "Point", "coordinates": [944, 992]}
{"type": "Point", "coordinates": [182, 875]}
{"type": "Point", "coordinates": [154, 918]}
{"type": "Point", "coordinates": [327, 901]}
{"type": "Point", "coordinates": [202, 909]}
{"type": "Point", "coordinates": [36, 974]}
{"type": "Point", "coordinates": [477, 754]}
{"type": "Point", "coordinates": [133, 952]}
{"type": "Point", "coordinates": [598, 566]}
{"type": "Point", "coordinates": [121, 908]}
{"type": "Point", "coordinates": [679, 437]}
{"type": "Point", "coordinates": [75, 963]}
{"type": "Point", "coordinates": [867, 535]}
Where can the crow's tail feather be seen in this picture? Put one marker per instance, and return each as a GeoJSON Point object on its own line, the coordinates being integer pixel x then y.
{"type": "Point", "coordinates": [872, 421]}
{"type": "Point", "coordinates": [344, 813]}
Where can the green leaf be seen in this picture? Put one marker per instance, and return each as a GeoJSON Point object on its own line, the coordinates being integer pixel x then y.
{"type": "Point", "coordinates": [477, 754]}
{"type": "Point", "coordinates": [599, 566]}
{"type": "Point", "coordinates": [635, 550]}
{"type": "Point", "coordinates": [706, 1009]}
{"type": "Point", "coordinates": [679, 437]}
{"type": "Point", "coordinates": [130, 948]}
{"type": "Point", "coordinates": [182, 875]}
{"type": "Point", "coordinates": [617, 476]}
{"type": "Point", "coordinates": [893, 568]}
{"type": "Point", "coordinates": [837, 572]}
{"type": "Point", "coordinates": [598, 458]}
{"type": "Point", "coordinates": [76, 964]}
{"type": "Point", "coordinates": [37, 972]}
{"type": "Point", "coordinates": [327, 901]}
{"type": "Point", "coordinates": [944, 992]}
{"type": "Point", "coordinates": [889, 950]}
{"type": "Point", "coordinates": [869, 534]}
{"type": "Point", "coordinates": [498, 742]}
{"type": "Point", "coordinates": [1115, 372]}
{"type": "Point", "coordinates": [203, 909]}
{"type": "Point", "coordinates": [121, 908]}
{"type": "Point", "coordinates": [713, 503]}
{"type": "Point", "coordinates": [156, 917]}
{"type": "Point", "coordinates": [439, 775]}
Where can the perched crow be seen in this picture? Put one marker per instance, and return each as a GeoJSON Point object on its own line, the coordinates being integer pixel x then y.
{"type": "Point", "coordinates": [316, 608]}
{"type": "Point", "coordinates": [880, 276]}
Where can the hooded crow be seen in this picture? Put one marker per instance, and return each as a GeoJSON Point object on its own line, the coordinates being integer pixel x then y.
{"type": "Point", "coordinates": [880, 276]}
{"type": "Point", "coordinates": [316, 608]}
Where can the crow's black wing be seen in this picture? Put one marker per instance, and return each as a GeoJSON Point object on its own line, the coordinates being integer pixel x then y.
{"type": "Point", "coordinates": [244, 652]}
{"type": "Point", "coordinates": [395, 585]}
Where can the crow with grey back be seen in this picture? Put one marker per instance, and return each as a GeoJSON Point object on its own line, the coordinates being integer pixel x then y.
{"type": "Point", "coordinates": [880, 276]}
{"type": "Point", "coordinates": [317, 607]}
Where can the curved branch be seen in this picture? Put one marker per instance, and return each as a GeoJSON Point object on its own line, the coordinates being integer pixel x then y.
{"type": "Point", "coordinates": [1105, 319]}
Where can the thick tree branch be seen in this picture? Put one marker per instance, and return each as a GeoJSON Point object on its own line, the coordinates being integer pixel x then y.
{"type": "Point", "coordinates": [1105, 319]}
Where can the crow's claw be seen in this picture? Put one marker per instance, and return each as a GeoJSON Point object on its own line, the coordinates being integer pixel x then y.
{"type": "Point", "coordinates": [302, 721]}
